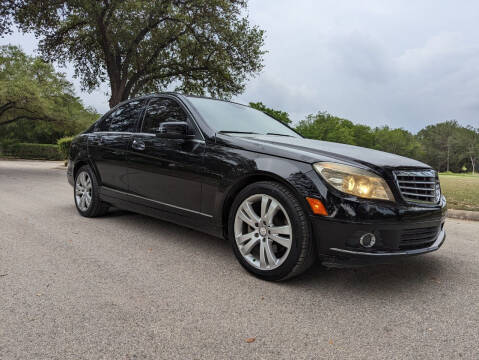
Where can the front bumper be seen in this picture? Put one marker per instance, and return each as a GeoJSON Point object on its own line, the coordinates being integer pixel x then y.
{"type": "Point", "coordinates": [351, 258]}
{"type": "Point", "coordinates": [338, 242]}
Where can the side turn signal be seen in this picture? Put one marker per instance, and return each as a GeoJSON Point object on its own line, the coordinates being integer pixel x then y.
{"type": "Point", "coordinates": [317, 206]}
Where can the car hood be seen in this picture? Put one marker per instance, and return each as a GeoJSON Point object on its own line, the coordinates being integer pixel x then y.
{"type": "Point", "coordinates": [311, 151]}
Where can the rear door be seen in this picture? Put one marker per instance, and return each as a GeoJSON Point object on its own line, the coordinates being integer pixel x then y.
{"type": "Point", "coordinates": [108, 146]}
{"type": "Point", "coordinates": [168, 172]}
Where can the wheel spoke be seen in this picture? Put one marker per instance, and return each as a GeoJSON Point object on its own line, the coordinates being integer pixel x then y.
{"type": "Point", "coordinates": [283, 230]}
{"type": "Point", "coordinates": [269, 254]}
{"type": "Point", "coordinates": [249, 246]}
{"type": "Point", "coordinates": [82, 201]}
{"type": "Point", "coordinates": [264, 205]}
{"type": "Point", "coordinates": [241, 239]}
{"type": "Point", "coordinates": [283, 241]}
{"type": "Point", "coordinates": [246, 219]}
{"type": "Point", "coordinates": [82, 179]}
{"type": "Point", "coordinates": [262, 255]}
{"type": "Point", "coordinates": [273, 208]}
{"type": "Point", "coordinates": [250, 212]}
{"type": "Point", "coordinates": [87, 200]}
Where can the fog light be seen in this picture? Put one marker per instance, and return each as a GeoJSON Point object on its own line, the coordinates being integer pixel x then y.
{"type": "Point", "coordinates": [367, 240]}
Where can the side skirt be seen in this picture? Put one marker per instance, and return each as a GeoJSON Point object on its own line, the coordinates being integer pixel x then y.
{"type": "Point", "coordinates": [188, 218]}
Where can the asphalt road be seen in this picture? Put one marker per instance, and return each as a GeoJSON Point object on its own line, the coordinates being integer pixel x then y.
{"type": "Point", "coordinates": [127, 286]}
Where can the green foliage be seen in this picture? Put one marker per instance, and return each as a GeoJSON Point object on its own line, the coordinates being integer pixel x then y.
{"type": "Point", "coordinates": [397, 141]}
{"type": "Point", "coordinates": [33, 151]}
{"type": "Point", "coordinates": [64, 146]}
{"type": "Point", "coordinates": [277, 114]}
{"type": "Point", "coordinates": [450, 146]}
{"type": "Point", "coordinates": [445, 146]}
{"type": "Point", "coordinates": [141, 46]}
{"type": "Point", "coordinates": [327, 127]}
{"type": "Point", "coordinates": [37, 104]}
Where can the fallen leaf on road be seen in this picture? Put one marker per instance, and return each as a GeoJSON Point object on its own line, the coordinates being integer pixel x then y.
{"type": "Point", "coordinates": [250, 340]}
{"type": "Point", "coordinates": [331, 342]}
{"type": "Point", "coordinates": [39, 294]}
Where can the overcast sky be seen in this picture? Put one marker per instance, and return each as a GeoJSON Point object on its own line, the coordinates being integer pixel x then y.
{"type": "Point", "coordinates": [398, 63]}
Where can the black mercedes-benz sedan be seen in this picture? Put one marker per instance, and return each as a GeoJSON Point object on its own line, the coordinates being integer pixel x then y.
{"type": "Point", "coordinates": [234, 172]}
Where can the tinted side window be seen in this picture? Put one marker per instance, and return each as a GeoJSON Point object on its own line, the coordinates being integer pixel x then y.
{"type": "Point", "coordinates": [161, 110]}
{"type": "Point", "coordinates": [104, 123]}
{"type": "Point", "coordinates": [124, 118]}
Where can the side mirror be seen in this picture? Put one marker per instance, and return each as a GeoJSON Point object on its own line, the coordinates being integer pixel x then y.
{"type": "Point", "coordinates": [175, 130]}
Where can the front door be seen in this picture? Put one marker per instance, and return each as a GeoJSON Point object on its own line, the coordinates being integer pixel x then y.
{"type": "Point", "coordinates": [166, 172]}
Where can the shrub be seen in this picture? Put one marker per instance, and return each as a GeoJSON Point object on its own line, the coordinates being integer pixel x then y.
{"type": "Point", "coordinates": [64, 146]}
{"type": "Point", "coordinates": [33, 151]}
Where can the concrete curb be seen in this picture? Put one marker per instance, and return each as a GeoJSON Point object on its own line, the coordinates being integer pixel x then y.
{"type": "Point", "coordinates": [463, 214]}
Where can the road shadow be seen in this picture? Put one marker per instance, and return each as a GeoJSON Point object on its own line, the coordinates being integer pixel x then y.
{"type": "Point", "coordinates": [114, 212]}
{"type": "Point", "coordinates": [409, 274]}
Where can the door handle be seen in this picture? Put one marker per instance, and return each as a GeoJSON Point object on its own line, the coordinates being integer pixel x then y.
{"type": "Point", "coordinates": [138, 145]}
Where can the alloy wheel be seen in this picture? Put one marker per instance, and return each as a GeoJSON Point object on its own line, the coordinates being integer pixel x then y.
{"type": "Point", "coordinates": [83, 191]}
{"type": "Point", "coordinates": [263, 232]}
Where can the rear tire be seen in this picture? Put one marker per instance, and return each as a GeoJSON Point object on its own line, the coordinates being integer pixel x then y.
{"type": "Point", "coordinates": [270, 232]}
{"type": "Point", "coordinates": [87, 195]}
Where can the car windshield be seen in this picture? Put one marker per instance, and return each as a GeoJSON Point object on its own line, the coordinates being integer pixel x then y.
{"type": "Point", "coordinates": [232, 118]}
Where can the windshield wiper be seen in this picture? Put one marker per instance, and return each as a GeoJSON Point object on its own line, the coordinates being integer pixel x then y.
{"type": "Point", "coordinates": [279, 134]}
{"type": "Point", "coordinates": [236, 132]}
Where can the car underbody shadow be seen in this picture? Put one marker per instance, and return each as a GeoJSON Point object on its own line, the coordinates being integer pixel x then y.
{"type": "Point", "coordinates": [409, 274]}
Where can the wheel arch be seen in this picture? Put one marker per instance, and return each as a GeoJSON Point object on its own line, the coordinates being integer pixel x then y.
{"type": "Point", "coordinates": [239, 185]}
{"type": "Point", "coordinates": [79, 163]}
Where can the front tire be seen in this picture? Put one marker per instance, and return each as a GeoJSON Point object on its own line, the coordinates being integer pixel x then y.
{"type": "Point", "coordinates": [86, 194]}
{"type": "Point", "coordinates": [270, 232]}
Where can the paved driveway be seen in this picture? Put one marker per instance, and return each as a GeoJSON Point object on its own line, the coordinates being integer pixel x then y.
{"type": "Point", "coordinates": [127, 286]}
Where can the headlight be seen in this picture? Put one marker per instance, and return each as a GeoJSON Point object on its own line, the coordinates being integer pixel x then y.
{"type": "Point", "coordinates": [354, 181]}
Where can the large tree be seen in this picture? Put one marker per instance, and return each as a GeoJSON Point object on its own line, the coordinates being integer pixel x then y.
{"type": "Point", "coordinates": [397, 141]}
{"type": "Point", "coordinates": [140, 46]}
{"type": "Point", "coordinates": [468, 144]}
{"type": "Point", "coordinates": [37, 103]}
{"type": "Point", "coordinates": [443, 144]}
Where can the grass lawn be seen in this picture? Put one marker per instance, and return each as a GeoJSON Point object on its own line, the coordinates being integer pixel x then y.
{"type": "Point", "coordinates": [461, 190]}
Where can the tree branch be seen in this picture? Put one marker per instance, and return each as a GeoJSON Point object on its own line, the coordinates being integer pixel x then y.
{"type": "Point", "coordinates": [131, 83]}
{"type": "Point", "coordinates": [139, 37]}
{"type": "Point", "coordinates": [170, 74]}
{"type": "Point", "coordinates": [26, 117]}
{"type": "Point", "coordinates": [6, 107]}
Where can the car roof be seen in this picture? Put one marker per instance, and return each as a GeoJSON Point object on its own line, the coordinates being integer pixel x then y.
{"type": "Point", "coordinates": [178, 94]}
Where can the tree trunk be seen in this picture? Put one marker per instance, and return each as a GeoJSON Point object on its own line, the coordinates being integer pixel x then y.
{"type": "Point", "coordinates": [473, 163]}
{"type": "Point", "coordinates": [447, 166]}
{"type": "Point", "coordinates": [118, 92]}
{"type": "Point", "coordinates": [115, 98]}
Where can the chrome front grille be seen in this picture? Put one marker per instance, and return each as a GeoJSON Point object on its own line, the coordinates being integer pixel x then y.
{"type": "Point", "coordinates": [418, 186]}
